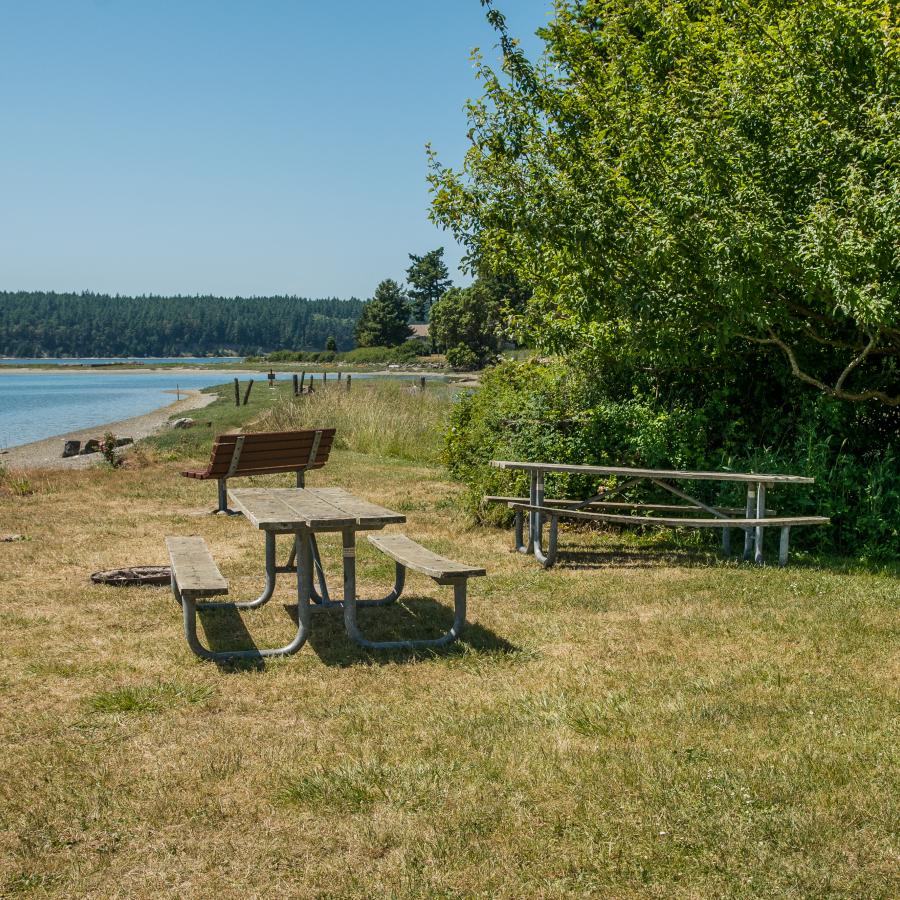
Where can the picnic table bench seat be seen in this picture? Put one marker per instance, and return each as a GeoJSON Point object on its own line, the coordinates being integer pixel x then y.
{"type": "Point", "coordinates": [264, 453]}
{"type": "Point", "coordinates": [785, 523]}
{"type": "Point", "coordinates": [407, 554]}
{"type": "Point", "coordinates": [614, 504]}
{"type": "Point", "coordinates": [194, 571]}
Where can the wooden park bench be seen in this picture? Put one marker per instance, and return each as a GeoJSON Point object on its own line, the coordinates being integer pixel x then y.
{"type": "Point", "coordinates": [407, 554]}
{"type": "Point", "coordinates": [265, 453]}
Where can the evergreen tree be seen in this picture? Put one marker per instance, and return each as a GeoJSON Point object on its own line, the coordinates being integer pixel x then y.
{"type": "Point", "coordinates": [385, 318]}
{"type": "Point", "coordinates": [428, 280]}
{"type": "Point", "coordinates": [331, 344]}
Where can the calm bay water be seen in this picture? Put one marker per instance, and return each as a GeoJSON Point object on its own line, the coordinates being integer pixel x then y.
{"type": "Point", "coordinates": [42, 404]}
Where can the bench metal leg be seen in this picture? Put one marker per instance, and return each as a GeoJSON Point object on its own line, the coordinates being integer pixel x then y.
{"type": "Point", "coordinates": [351, 603]}
{"type": "Point", "coordinates": [783, 545]}
{"type": "Point", "coordinates": [304, 584]}
{"type": "Point", "coordinates": [759, 530]}
{"type": "Point", "coordinates": [726, 542]}
{"type": "Point", "coordinates": [222, 509]}
{"type": "Point", "coordinates": [750, 510]}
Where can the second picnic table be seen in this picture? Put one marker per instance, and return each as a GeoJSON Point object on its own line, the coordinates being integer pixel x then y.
{"type": "Point", "coordinates": [601, 507]}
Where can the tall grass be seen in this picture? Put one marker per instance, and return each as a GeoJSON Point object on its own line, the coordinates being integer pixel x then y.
{"type": "Point", "coordinates": [384, 418]}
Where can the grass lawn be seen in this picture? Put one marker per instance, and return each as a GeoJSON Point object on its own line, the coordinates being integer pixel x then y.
{"type": "Point", "coordinates": [642, 721]}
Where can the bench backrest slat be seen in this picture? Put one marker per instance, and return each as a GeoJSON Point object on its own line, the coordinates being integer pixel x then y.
{"type": "Point", "coordinates": [265, 452]}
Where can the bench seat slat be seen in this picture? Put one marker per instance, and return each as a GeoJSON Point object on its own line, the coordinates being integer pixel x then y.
{"type": "Point", "coordinates": [193, 568]}
{"type": "Point", "coordinates": [774, 521]}
{"type": "Point", "coordinates": [414, 556]}
{"type": "Point", "coordinates": [615, 504]}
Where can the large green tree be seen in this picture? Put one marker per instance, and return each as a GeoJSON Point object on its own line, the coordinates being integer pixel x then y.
{"type": "Point", "coordinates": [428, 279]}
{"type": "Point", "coordinates": [677, 179]}
{"type": "Point", "coordinates": [385, 318]}
{"type": "Point", "coordinates": [465, 323]}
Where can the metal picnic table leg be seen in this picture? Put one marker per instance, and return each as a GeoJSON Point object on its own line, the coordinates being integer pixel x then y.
{"type": "Point", "coordinates": [759, 530]}
{"type": "Point", "coordinates": [549, 558]}
{"type": "Point", "coordinates": [521, 545]}
{"type": "Point", "coordinates": [322, 596]}
{"type": "Point", "coordinates": [304, 589]}
{"type": "Point", "coordinates": [750, 510]}
{"type": "Point", "coordinates": [268, 590]}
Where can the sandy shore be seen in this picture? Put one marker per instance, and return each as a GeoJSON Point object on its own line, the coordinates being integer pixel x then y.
{"type": "Point", "coordinates": [47, 454]}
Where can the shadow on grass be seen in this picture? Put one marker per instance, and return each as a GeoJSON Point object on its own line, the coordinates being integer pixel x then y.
{"type": "Point", "coordinates": [575, 554]}
{"type": "Point", "coordinates": [225, 630]}
{"type": "Point", "coordinates": [412, 619]}
{"type": "Point", "coordinates": [583, 556]}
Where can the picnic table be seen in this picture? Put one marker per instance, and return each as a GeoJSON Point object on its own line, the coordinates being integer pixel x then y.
{"type": "Point", "coordinates": [752, 519]}
{"type": "Point", "coordinates": [303, 513]}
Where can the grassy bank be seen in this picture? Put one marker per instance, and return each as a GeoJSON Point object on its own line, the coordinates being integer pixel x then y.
{"type": "Point", "coordinates": [641, 721]}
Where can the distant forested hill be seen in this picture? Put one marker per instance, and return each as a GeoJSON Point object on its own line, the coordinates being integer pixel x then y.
{"type": "Point", "coordinates": [42, 324]}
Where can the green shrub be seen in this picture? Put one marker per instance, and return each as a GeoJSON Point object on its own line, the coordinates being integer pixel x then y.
{"type": "Point", "coordinates": [462, 357]}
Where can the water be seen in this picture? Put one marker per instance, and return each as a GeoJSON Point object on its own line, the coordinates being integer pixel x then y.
{"type": "Point", "coordinates": [42, 404]}
{"type": "Point", "coordinates": [103, 360]}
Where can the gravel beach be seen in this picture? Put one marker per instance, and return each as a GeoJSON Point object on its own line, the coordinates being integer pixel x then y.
{"type": "Point", "coordinates": [47, 454]}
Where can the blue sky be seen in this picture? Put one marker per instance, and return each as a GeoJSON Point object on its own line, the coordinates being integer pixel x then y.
{"type": "Point", "coordinates": [232, 148]}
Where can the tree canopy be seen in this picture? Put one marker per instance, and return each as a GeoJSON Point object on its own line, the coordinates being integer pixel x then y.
{"type": "Point", "coordinates": [49, 324]}
{"type": "Point", "coordinates": [465, 323]}
{"type": "Point", "coordinates": [385, 318]}
{"type": "Point", "coordinates": [428, 279]}
{"type": "Point", "coordinates": [683, 178]}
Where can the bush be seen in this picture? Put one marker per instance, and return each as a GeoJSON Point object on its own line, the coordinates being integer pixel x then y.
{"type": "Point", "coordinates": [462, 357]}
{"type": "Point", "coordinates": [552, 411]}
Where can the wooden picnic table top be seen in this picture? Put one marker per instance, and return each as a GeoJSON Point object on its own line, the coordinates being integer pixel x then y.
{"type": "Point", "coordinates": [320, 509]}
{"type": "Point", "coordinates": [670, 474]}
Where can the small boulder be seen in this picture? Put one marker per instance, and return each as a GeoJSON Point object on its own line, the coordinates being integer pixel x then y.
{"type": "Point", "coordinates": [71, 448]}
{"type": "Point", "coordinates": [183, 423]}
{"type": "Point", "coordinates": [91, 446]}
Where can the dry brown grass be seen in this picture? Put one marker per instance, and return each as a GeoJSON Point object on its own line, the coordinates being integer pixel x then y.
{"type": "Point", "coordinates": [643, 723]}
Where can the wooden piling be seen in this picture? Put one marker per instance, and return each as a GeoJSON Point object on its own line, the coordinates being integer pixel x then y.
{"type": "Point", "coordinates": [348, 382]}
{"type": "Point", "coordinates": [247, 393]}
{"type": "Point", "coordinates": [296, 384]}
{"type": "Point", "coordinates": [302, 379]}
{"type": "Point", "coordinates": [422, 383]}
{"type": "Point", "coordinates": [237, 393]}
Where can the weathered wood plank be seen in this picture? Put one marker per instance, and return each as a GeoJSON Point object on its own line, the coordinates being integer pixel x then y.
{"type": "Point", "coordinates": [414, 556]}
{"type": "Point", "coordinates": [673, 521]}
{"type": "Point", "coordinates": [365, 511]}
{"type": "Point", "coordinates": [652, 473]}
{"type": "Point", "coordinates": [615, 504]}
{"type": "Point", "coordinates": [287, 508]}
{"type": "Point", "coordinates": [193, 568]}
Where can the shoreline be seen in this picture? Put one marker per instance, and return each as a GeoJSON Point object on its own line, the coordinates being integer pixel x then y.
{"type": "Point", "coordinates": [47, 452]}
